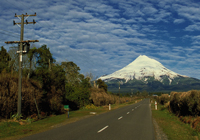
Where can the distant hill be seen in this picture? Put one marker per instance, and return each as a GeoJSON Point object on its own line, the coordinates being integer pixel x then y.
{"type": "Point", "coordinates": [148, 74]}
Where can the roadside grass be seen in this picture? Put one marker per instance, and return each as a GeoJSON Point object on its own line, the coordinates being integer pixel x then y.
{"type": "Point", "coordinates": [10, 130]}
{"type": "Point", "coordinates": [172, 126]}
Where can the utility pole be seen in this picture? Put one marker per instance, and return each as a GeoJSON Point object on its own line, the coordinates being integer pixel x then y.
{"type": "Point", "coordinates": [23, 48]}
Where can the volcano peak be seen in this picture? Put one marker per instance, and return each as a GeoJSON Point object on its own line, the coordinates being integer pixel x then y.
{"type": "Point", "coordinates": [142, 67]}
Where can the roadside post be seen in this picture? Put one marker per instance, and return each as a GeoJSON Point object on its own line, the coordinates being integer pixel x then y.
{"type": "Point", "coordinates": [155, 105]}
{"type": "Point", "coordinates": [66, 107]}
{"type": "Point", "coordinates": [109, 106]}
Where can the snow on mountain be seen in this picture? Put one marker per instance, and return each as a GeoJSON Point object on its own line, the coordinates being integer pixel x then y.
{"type": "Point", "coordinates": [142, 67]}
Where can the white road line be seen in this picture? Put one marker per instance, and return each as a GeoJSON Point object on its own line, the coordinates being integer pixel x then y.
{"type": "Point", "coordinates": [120, 117]}
{"type": "Point", "coordinates": [102, 129]}
{"type": "Point", "coordinates": [128, 112]}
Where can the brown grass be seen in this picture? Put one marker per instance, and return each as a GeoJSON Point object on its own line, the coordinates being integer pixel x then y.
{"type": "Point", "coordinates": [100, 98]}
{"type": "Point", "coordinates": [185, 103]}
{"type": "Point", "coordinates": [9, 95]}
{"type": "Point", "coordinates": [163, 99]}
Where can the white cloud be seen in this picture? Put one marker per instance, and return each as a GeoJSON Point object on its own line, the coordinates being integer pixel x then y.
{"type": "Point", "coordinates": [194, 27]}
{"type": "Point", "coordinates": [108, 35]}
{"type": "Point", "coordinates": [189, 11]}
{"type": "Point", "coordinates": [149, 10]}
{"type": "Point", "coordinates": [178, 21]}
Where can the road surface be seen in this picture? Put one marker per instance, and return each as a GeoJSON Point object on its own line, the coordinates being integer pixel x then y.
{"type": "Point", "coordinates": [133, 122]}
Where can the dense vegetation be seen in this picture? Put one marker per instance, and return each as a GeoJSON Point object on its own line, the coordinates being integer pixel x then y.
{"type": "Point", "coordinates": [47, 84]}
{"type": "Point", "coordinates": [185, 105]}
{"type": "Point", "coordinates": [152, 85]}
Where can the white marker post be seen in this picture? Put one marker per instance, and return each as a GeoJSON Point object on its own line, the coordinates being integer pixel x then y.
{"type": "Point", "coordinates": [109, 106]}
{"type": "Point", "coordinates": [156, 105]}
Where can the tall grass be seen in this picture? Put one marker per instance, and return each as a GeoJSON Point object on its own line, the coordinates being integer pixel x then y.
{"type": "Point", "coordinates": [100, 97]}
{"type": "Point", "coordinates": [31, 91]}
{"type": "Point", "coordinates": [163, 99]}
{"type": "Point", "coordinates": [185, 103]}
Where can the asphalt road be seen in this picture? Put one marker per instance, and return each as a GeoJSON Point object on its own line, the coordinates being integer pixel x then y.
{"type": "Point", "coordinates": [133, 122]}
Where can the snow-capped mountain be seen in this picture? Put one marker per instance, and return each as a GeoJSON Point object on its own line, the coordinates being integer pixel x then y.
{"type": "Point", "coordinates": [142, 68]}
{"type": "Point", "coordinates": [147, 74]}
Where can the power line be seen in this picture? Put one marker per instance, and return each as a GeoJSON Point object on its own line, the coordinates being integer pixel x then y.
{"type": "Point", "coordinates": [47, 25]}
{"type": "Point", "coordinates": [21, 10]}
{"type": "Point", "coordinates": [15, 34]}
{"type": "Point", "coordinates": [8, 34]}
{"type": "Point", "coordinates": [2, 40]}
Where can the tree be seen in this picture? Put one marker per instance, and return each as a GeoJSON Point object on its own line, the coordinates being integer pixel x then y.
{"type": "Point", "coordinates": [71, 72]}
{"type": "Point", "coordinates": [145, 93]}
{"type": "Point", "coordinates": [4, 59]}
{"type": "Point", "coordinates": [53, 85]}
{"type": "Point", "coordinates": [77, 86]}
{"type": "Point", "coordinates": [31, 55]}
{"type": "Point", "coordinates": [102, 84]}
{"type": "Point", "coordinates": [14, 63]}
{"type": "Point", "coordinates": [79, 93]}
{"type": "Point", "coordinates": [44, 57]}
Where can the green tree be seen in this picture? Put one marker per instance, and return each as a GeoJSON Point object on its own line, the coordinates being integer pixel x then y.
{"type": "Point", "coordinates": [4, 59]}
{"type": "Point", "coordinates": [57, 93]}
{"type": "Point", "coordinates": [51, 76]}
{"type": "Point", "coordinates": [145, 93]}
{"type": "Point", "coordinates": [102, 84]}
{"type": "Point", "coordinates": [44, 57]}
{"type": "Point", "coordinates": [53, 85]}
{"type": "Point", "coordinates": [14, 63]}
{"type": "Point", "coordinates": [31, 55]}
{"type": "Point", "coordinates": [77, 86]}
{"type": "Point", "coordinates": [71, 72]}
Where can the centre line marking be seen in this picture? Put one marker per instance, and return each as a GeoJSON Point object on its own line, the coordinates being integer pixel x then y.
{"type": "Point", "coordinates": [128, 112]}
{"type": "Point", "coordinates": [102, 129]}
{"type": "Point", "coordinates": [120, 118]}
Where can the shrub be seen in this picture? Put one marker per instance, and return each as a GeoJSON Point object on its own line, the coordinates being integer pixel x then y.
{"type": "Point", "coordinates": [185, 103]}
{"type": "Point", "coordinates": [99, 97]}
{"type": "Point", "coordinates": [31, 91]}
{"type": "Point", "coordinates": [196, 124]}
{"type": "Point", "coordinates": [163, 99]}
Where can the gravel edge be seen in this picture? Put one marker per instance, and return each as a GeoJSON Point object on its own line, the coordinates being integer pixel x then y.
{"type": "Point", "coordinates": [159, 134]}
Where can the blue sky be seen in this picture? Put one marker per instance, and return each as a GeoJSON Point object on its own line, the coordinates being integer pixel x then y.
{"type": "Point", "coordinates": [102, 36]}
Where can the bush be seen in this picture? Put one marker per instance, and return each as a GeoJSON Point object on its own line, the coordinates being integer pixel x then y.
{"type": "Point", "coordinates": [185, 103]}
{"type": "Point", "coordinates": [163, 99]}
{"type": "Point", "coordinates": [99, 97]}
{"type": "Point", "coordinates": [196, 124]}
{"type": "Point", "coordinates": [31, 91]}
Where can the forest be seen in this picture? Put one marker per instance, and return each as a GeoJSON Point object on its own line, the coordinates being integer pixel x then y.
{"type": "Point", "coordinates": [48, 85]}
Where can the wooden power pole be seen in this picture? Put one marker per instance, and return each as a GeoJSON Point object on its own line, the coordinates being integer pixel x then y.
{"type": "Point", "coordinates": [23, 48]}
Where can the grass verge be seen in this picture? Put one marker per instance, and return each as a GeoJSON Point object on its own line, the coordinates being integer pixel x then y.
{"type": "Point", "coordinates": [10, 130]}
{"type": "Point", "coordinates": [172, 126]}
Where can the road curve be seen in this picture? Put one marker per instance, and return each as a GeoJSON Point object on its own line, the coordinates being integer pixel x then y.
{"type": "Point", "coordinates": [133, 122]}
